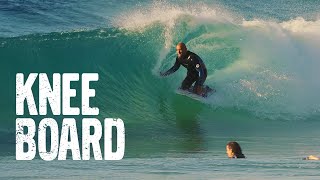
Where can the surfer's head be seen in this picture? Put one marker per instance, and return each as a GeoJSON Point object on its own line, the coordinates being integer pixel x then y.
{"type": "Point", "coordinates": [181, 49]}
{"type": "Point", "coordinates": [234, 150]}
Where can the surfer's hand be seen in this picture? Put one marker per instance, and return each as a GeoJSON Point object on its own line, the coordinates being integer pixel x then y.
{"type": "Point", "coordinates": [162, 74]}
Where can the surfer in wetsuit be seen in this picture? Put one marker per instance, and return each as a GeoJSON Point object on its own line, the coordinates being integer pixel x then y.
{"type": "Point", "coordinates": [197, 71]}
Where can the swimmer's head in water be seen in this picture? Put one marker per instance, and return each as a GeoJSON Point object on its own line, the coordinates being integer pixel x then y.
{"type": "Point", "coordinates": [181, 50]}
{"type": "Point", "coordinates": [234, 150]}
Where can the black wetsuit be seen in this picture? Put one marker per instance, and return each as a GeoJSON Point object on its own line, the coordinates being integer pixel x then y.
{"type": "Point", "coordinates": [197, 71]}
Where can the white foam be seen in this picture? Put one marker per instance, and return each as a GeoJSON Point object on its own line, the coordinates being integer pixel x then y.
{"type": "Point", "coordinates": [167, 14]}
{"type": "Point", "coordinates": [298, 26]}
{"type": "Point", "coordinates": [301, 26]}
{"type": "Point", "coordinates": [277, 73]}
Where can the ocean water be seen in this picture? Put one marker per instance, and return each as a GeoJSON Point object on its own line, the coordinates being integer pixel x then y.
{"type": "Point", "coordinates": [262, 58]}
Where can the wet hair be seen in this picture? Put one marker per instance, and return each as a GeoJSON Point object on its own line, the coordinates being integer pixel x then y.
{"type": "Point", "coordinates": [236, 149]}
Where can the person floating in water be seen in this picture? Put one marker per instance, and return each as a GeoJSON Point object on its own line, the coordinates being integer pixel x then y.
{"type": "Point", "coordinates": [234, 150]}
{"type": "Point", "coordinates": [197, 71]}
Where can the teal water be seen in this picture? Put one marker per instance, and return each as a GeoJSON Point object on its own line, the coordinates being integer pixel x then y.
{"type": "Point", "coordinates": [262, 58]}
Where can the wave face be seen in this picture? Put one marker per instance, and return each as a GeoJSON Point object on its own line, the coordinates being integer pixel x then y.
{"type": "Point", "coordinates": [261, 69]}
{"type": "Point", "coordinates": [264, 67]}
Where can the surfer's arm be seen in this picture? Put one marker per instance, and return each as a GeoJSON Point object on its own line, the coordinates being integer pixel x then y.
{"type": "Point", "coordinates": [173, 69]}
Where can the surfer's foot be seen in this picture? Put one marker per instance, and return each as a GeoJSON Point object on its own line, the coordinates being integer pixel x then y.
{"type": "Point", "coordinates": [198, 90]}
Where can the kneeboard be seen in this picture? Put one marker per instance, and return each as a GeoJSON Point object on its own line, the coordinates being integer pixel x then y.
{"type": "Point", "coordinates": [207, 92]}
